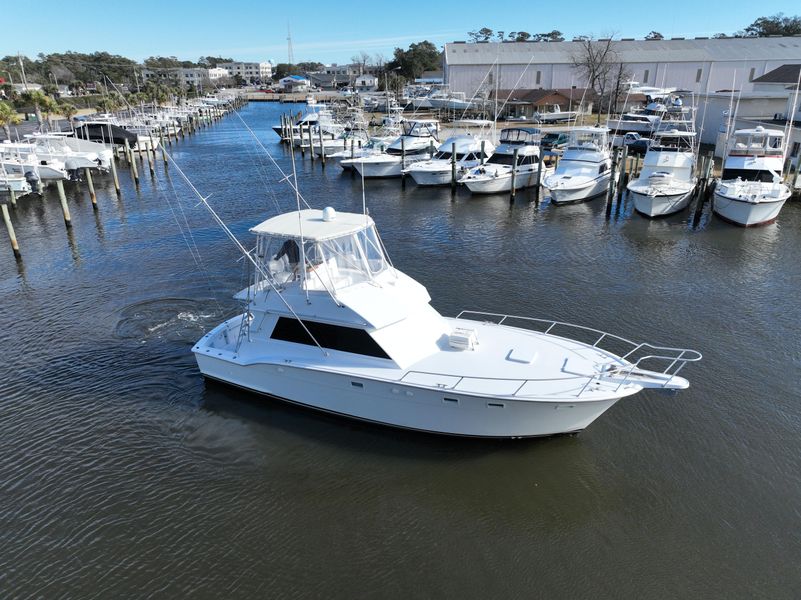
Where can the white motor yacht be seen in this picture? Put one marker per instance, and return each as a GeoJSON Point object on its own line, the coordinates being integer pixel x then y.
{"type": "Point", "coordinates": [667, 180]}
{"type": "Point", "coordinates": [329, 323]}
{"type": "Point", "coordinates": [349, 156]}
{"type": "Point", "coordinates": [584, 169]}
{"type": "Point", "coordinates": [750, 190]}
{"type": "Point", "coordinates": [415, 143]}
{"type": "Point", "coordinates": [465, 150]}
{"type": "Point", "coordinates": [495, 175]}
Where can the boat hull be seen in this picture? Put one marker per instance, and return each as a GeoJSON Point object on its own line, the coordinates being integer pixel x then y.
{"type": "Point", "coordinates": [404, 406]}
{"type": "Point", "coordinates": [569, 195]}
{"type": "Point", "coordinates": [744, 213]}
{"type": "Point", "coordinates": [431, 177]}
{"type": "Point", "coordinates": [660, 205]}
{"type": "Point", "coordinates": [18, 185]}
{"type": "Point", "coordinates": [502, 183]}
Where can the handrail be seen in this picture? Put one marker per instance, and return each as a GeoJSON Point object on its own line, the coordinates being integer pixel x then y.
{"type": "Point", "coordinates": [674, 358]}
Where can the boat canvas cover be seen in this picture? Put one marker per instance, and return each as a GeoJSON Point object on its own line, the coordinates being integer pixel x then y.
{"type": "Point", "coordinates": [100, 132]}
{"type": "Point", "coordinates": [313, 227]}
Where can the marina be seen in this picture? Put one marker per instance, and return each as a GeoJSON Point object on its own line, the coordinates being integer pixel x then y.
{"type": "Point", "coordinates": [173, 434]}
{"type": "Point", "coordinates": [504, 317]}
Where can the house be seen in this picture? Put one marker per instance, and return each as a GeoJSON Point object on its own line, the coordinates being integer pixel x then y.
{"type": "Point", "coordinates": [366, 83]}
{"type": "Point", "coordinates": [524, 103]}
{"type": "Point", "coordinates": [294, 83]}
{"type": "Point", "coordinates": [326, 81]}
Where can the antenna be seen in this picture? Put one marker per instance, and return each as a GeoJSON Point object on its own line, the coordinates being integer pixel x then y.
{"type": "Point", "coordinates": [289, 54]}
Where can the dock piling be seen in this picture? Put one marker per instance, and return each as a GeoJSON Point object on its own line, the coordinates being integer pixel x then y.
{"type": "Point", "coordinates": [10, 228]}
{"type": "Point", "coordinates": [453, 167]}
{"type": "Point", "coordinates": [64, 208]}
{"type": "Point", "coordinates": [322, 146]}
{"type": "Point", "coordinates": [514, 174]}
{"type": "Point", "coordinates": [92, 196]}
{"type": "Point", "coordinates": [115, 177]}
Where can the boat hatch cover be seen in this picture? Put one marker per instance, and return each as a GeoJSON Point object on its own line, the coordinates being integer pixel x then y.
{"type": "Point", "coordinates": [522, 355]}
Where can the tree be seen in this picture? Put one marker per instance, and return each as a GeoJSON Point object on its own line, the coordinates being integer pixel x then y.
{"type": "Point", "coordinates": [482, 35]}
{"type": "Point", "coordinates": [550, 36]}
{"type": "Point", "coordinates": [654, 35]}
{"type": "Point", "coordinates": [309, 67]}
{"type": "Point", "coordinates": [519, 36]}
{"type": "Point", "coordinates": [238, 80]}
{"type": "Point", "coordinates": [283, 70]}
{"type": "Point", "coordinates": [595, 62]}
{"type": "Point", "coordinates": [777, 24]}
{"type": "Point", "coordinates": [68, 111]}
{"type": "Point", "coordinates": [422, 56]}
{"type": "Point", "coordinates": [38, 100]}
{"type": "Point", "coordinates": [213, 61]}
{"type": "Point", "coordinates": [361, 61]}
{"type": "Point", "coordinates": [8, 117]}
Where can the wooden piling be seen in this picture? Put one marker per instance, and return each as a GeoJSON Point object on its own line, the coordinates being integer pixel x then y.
{"type": "Point", "coordinates": [311, 143]}
{"type": "Point", "coordinates": [163, 149]}
{"type": "Point", "coordinates": [64, 208]}
{"type": "Point", "coordinates": [514, 174]}
{"type": "Point", "coordinates": [610, 193]}
{"type": "Point", "coordinates": [13, 198]}
{"type": "Point", "coordinates": [403, 162]}
{"type": "Point", "coordinates": [114, 177]}
{"type": "Point", "coordinates": [10, 228]}
{"type": "Point", "coordinates": [537, 187]}
{"type": "Point", "coordinates": [453, 167]}
{"type": "Point", "coordinates": [132, 163]}
{"type": "Point", "coordinates": [483, 152]}
{"type": "Point", "coordinates": [151, 158]}
{"type": "Point", "coordinates": [622, 173]}
{"type": "Point", "coordinates": [430, 149]}
{"type": "Point", "coordinates": [88, 172]}
{"type": "Point", "coordinates": [322, 145]}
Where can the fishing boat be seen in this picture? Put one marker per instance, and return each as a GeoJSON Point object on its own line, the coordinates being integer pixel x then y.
{"type": "Point", "coordinates": [667, 180]}
{"type": "Point", "coordinates": [455, 155]}
{"type": "Point", "coordinates": [330, 323]}
{"type": "Point", "coordinates": [13, 182]}
{"type": "Point", "coordinates": [555, 114]}
{"type": "Point", "coordinates": [518, 156]}
{"type": "Point", "coordinates": [416, 142]}
{"type": "Point", "coordinates": [585, 168]}
{"type": "Point", "coordinates": [20, 158]}
{"type": "Point", "coordinates": [750, 190]}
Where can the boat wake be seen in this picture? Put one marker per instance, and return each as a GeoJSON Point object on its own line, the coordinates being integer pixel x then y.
{"type": "Point", "coordinates": [166, 319]}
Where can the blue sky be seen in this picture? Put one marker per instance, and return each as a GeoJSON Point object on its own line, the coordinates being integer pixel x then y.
{"type": "Point", "coordinates": [335, 30]}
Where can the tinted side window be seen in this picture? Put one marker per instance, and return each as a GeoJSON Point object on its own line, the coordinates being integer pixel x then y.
{"type": "Point", "coordinates": [334, 337]}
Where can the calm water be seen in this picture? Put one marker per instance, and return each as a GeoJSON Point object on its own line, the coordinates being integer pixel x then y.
{"type": "Point", "coordinates": [123, 474]}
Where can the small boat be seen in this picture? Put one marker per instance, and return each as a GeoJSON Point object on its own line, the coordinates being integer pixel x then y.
{"type": "Point", "coordinates": [469, 152]}
{"type": "Point", "coordinates": [416, 142]}
{"type": "Point", "coordinates": [555, 114]}
{"type": "Point", "coordinates": [667, 181]}
{"type": "Point", "coordinates": [495, 175]}
{"type": "Point", "coordinates": [75, 152]}
{"type": "Point", "coordinates": [13, 182]}
{"type": "Point", "coordinates": [375, 145]}
{"type": "Point", "coordinates": [750, 190]}
{"type": "Point", "coordinates": [330, 324]}
{"type": "Point", "coordinates": [584, 170]}
{"type": "Point", "coordinates": [21, 159]}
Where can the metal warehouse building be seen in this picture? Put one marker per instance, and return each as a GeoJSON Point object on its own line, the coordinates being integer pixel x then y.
{"type": "Point", "coordinates": [699, 64]}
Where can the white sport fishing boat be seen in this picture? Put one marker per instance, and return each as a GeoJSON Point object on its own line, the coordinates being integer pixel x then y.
{"type": "Point", "coordinates": [72, 151]}
{"type": "Point", "coordinates": [13, 182]}
{"type": "Point", "coordinates": [21, 159]}
{"type": "Point", "coordinates": [584, 169]}
{"type": "Point", "coordinates": [555, 114]}
{"type": "Point", "coordinates": [438, 170]}
{"type": "Point", "coordinates": [667, 180]}
{"type": "Point", "coordinates": [495, 175]}
{"type": "Point", "coordinates": [374, 146]}
{"type": "Point", "coordinates": [417, 139]}
{"type": "Point", "coordinates": [330, 324]}
{"type": "Point", "coordinates": [750, 190]}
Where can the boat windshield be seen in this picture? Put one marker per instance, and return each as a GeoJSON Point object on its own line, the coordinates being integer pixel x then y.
{"type": "Point", "coordinates": [419, 128]}
{"type": "Point", "coordinates": [330, 264]}
{"type": "Point", "coordinates": [587, 139]}
{"type": "Point", "coordinates": [757, 143]}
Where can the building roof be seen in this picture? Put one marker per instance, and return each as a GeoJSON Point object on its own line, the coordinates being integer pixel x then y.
{"type": "Point", "coordinates": [630, 51]}
{"type": "Point", "coordinates": [540, 96]}
{"type": "Point", "coordinates": [314, 227]}
{"type": "Point", "coordinates": [784, 74]}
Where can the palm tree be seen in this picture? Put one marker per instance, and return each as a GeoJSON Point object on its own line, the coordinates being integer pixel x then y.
{"type": "Point", "coordinates": [8, 117]}
{"type": "Point", "coordinates": [68, 110]}
{"type": "Point", "coordinates": [49, 107]}
{"type": "Point", "coordinates": [39, 100]}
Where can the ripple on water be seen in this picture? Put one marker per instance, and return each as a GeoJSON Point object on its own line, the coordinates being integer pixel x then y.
{"type": "Point", "coordinates": [168, 319]}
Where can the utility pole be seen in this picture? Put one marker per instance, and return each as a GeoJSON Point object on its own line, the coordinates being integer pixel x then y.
{"type": "Point", "coordinates": [290, 54]}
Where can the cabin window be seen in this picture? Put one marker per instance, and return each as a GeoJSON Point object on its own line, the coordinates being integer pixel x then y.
{"type": "Point", "coordinates": [602, 168]}
{"type": "Point", "coordinates": [333, 337]}
{"type": "Point", "coordinates": [645, 77]}
{"type": "Point", "coordinates": [500, 159]}
{"type": "Point", "coordinates": [700, 72]}
{"type": "Point", "coordinates": [539, 77]}
{"type": "Point", "coordinates": [747, 175]}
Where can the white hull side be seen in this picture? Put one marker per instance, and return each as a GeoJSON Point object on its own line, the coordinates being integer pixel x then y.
{"type": "Point", "coordinates": [429, 177]}
{"type": "Point", "coordinates": [408, 407]}
{"type": "Point", "coordinates": [592, 189]}
{"type": "Point", "coordinates": [17, 185]}
{"type": "Point", "coordinates": [661, 205]}
{"type": "Point", "coordinates": [745, 213]}
{"type": "Point", "coordinates": [503, 183]}
{"type": "Point", "coordinates": [378, 169]}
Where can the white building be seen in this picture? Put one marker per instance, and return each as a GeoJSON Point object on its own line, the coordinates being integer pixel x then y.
{"type": "Point", "coordinates": [249, 71]}
{"type": "Point", "coordinates": [197, 76]}
{"type": "Point", "coordinates": [699, 65]}
{"type": "Point", "coordinates": [294, 83]}
{"type": "Point", "coordinates": [366, 83]}
{"type": "Point", "coordinates": [217, 73]}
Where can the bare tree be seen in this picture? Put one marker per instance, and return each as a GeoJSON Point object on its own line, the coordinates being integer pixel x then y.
{"type": "Point", "coordinates": [380, 62]}
{"type": "Point", "coordinates": [361, 60]}
{"type": "Point", "coordinates": [595, 62]}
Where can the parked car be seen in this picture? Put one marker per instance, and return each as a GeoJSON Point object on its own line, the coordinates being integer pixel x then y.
{"type": "Point", "coordinates": [555, 140]}
{"type": "Point", "coordinates": [636, 144]}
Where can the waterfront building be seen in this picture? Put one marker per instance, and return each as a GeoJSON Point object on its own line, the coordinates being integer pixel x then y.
{"type": "Point", "coordinates": [698, 64]}
{"type": "Point", "coordinates": [249, 71]}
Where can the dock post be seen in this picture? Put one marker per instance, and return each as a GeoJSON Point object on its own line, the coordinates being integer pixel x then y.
{"type": "Point", "coordinates": [514, 174]}
{"type": "Point", "coordinates": [292, 138]}
{"type": "Point", "coordinates": [13, 198]}
{"type": "Point", "coordinates": [163, 150]}
{"type": "Point", "coordinates": [151, 158]}
{"type": "Point", "coordinates": [132, 163]}
{"type": "Point", "coordinates": [139, 151]}
{"type": "Point", "coordinates": [114, 177]}
{"type": "Point", "coordinates": [88, 172]}
{"type": "Point", "coordinates": [483, 152]}
{"type": "Point", "coordinates": [322, 146]}
{"type": "Point", "coordinates": [622, 173]}
{"type": "Point", "coordinates": [403, 162]}
{"type": "Point", "coordinates": [610, 192]}
{"type": "Point", "coordinates": [311, 143]}
{"type": "Point", "coordinates": [64, 208]}
{"type": "Point", "coordinates": [538, 187]}
{"type": "Point", "coordinates": [10, 228]}
{"type": "Point", "coordinates": [302, 140]}
{"type": "Point", "coordinates": [453, 167]}
{"type": "Point", "coordinates": [430, 149]}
